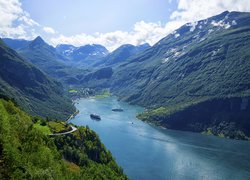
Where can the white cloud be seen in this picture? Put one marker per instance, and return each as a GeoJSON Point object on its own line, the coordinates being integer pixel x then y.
{"type": "Point", "coordinates": [187, 11]}
{"type": "Point", "coordinates": [18, 31]}
{"type": "Point", "coordinates": [17, 23]}
{"type": "Point", "coordinates": [14, 21]}
{"type": "Point", "coordinates": [27, 20]}
{"type": "Point", "coordinates": [142, 32]}
{"type": "Point", "coordinates": [9, 11]}
{"type": "Point", "coordinates": [193, 10]}
{"type": "Point", "coordinates": [49, 30]}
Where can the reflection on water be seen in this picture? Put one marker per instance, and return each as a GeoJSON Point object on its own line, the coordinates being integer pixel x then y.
{"type": "Point", "coordinates": [148, 152]}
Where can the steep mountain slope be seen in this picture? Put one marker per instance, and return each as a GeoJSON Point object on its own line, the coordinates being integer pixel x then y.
{"type": "Point", "coordinates": [207, 59]}
{"type": "Point", "coordinates": [47, 59]}
{"type": "Point", "coordinates": [197, 78]}
{"type": "Point", "coordinates": [31, 88]}
{"type": "Point", "coordinates": [190, 70]}
{"type": "Point", "coordinates": [26, 152]}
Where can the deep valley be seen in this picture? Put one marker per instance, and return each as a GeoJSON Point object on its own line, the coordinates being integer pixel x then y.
{"type": "Point", "coordinates": [190, 86]}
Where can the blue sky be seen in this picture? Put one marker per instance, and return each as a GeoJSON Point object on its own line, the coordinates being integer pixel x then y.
{"type": "Point", "coordinates": [97, 15]}
{"type": "Point", "coordinates": [107, 22]}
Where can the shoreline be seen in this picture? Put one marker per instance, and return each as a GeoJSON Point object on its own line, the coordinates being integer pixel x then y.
{"type": "Point", "coordinates": [204, 133]}
{"type": "Point", "coordinates": [72, 116]}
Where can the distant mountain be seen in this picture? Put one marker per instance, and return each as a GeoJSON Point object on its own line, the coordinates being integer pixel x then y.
{"type": "Point", "coordinates": [89, 52]}
{"type": "Point", "coordinates": [187, 76]}
{"type": "Point", "coordinates": [142, 47]}
{"type": "Point", "coordinates": [65, 49]}
{"type": "Point", "coordinates": [101, 72]}
{"type": "Point", "coordinates": [65, 63]}
{"type": "Point", "coordinates": [31, 89]}
{"type": "Point", "coordinates": [45, 57]}
{"type": "Point", "coordinates": [97, 55]}
{"type": "Point", "coordinates": [82, 56]}
{"type": "Point", "coordinates": [123, 53]}
{"type": "Point", "coordinates": [38, 42]}
{"type": "Point", "coordinates": [16, 43]}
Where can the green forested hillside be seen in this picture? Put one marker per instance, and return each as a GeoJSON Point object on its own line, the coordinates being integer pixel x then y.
{"type": "Point", "coordinates": [209, 61]}
{"type": "Point", "coordinates": [35, 92]}
{"type": "Point", "coordinates": [28, 153]}
{"type": "Point", "coordinates": [225, 117]}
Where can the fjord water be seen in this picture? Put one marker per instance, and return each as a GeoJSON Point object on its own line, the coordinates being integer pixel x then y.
{"type": "Point", "coordinates": [148, 152]}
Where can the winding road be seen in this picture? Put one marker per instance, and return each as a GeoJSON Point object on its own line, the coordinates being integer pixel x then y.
{"type": "Point", "coordinates": [73, 129]}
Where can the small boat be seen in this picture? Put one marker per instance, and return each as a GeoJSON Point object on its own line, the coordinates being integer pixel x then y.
{"type": "Point", "coordinates": [95, 116]}
{"type": "Point", "coordinates": [117, 109]}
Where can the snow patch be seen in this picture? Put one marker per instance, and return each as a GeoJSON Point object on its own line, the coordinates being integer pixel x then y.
{"type": "Point", "coordinates": [174, 53]}
{"type": "Point", "coordinates": [214, 52]}
{"type": "Point", "coordinates": [234, 23]}
{"type": "Point", "coordinates": [173, 33]}
{"type": "Point", "coordinates": [205, 21]}
{"type": "Point", "coordinates": [176, 35]}
{"type": "Point", "coordinates": [224, 24]}
{"type": "Point", "coordinates": [196, 36]}
{"type": "Point", "coordinates": [68, 51]}
{"type": "Point", "coordinates": [165, 60]}
{"type": "Point", "coordinates": [173, 50]}
{"type": "Point", "coordinates": [227, 26]}
{"type": "Point", "coordinates": [210, 31]}
{"type": "Point", "coordinates": [202, 39]}
{"type": "Point", "coordinates": [192, 26]}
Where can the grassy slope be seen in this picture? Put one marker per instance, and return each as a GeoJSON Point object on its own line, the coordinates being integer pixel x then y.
{"type": "Point", "coordinates": [104, 94]}
{"type": "Point", "coordinates": [27, 153]}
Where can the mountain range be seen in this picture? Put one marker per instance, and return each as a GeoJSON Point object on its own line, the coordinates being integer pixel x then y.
{"type": "Point", "coordinates": [35, 74]}
{"type": "Point", "coordinates": [196, 78]}
{"type": "Point", "coordinates": [67, 63]}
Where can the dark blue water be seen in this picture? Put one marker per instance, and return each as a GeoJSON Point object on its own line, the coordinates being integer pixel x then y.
{"type": "Point", "coordinates": [150, 153]}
